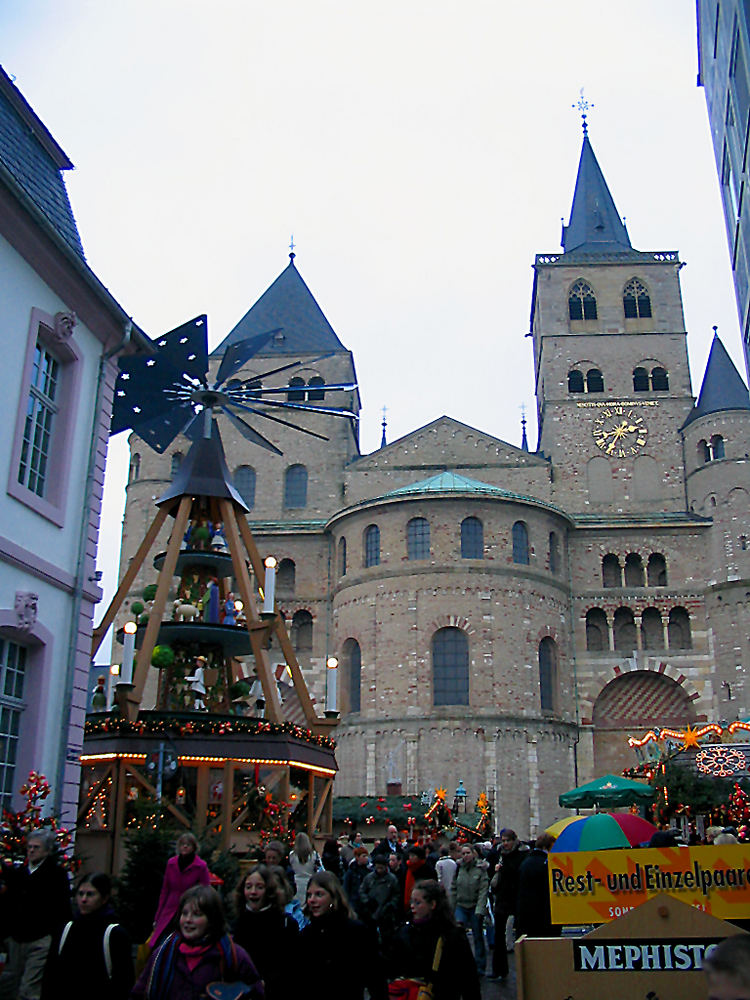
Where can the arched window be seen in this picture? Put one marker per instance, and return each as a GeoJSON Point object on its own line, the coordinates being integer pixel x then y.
{"type": "Point", "coordinates": [286, 578]}
{"type": "Point", "coordinates": [520, 543]}
{"type": "Point", "coordinates": [472, 538]}
{"type": "Point", "coordinates": [652, 629]}
{"type": "Point", "coordinates": [656, 570]}
{"type": "Point", "coordinates": [635, 300]}
{"type": "Point", "coordinates": [611, 571]}
{"type": "Point", "coordinates": [450, 667]}
{"type": "Point", "coordinates": [135, 467]}
{"type": "Point", "coordinates": [548, 674]}
{"type": "Point", "coordinates": [244, 480]}
{"type": "Point", "coordinates": [624, 629]}
{"type": "Point", "coordinates": [554, 553]}
{"type": "Point", "coordinates": [634, 576]}
{"type": "Point", "coordinates": [659, 379]}
{"type": "Point", "coordinates": [295, 487]}
{"type": "Point", "coordinates": [575, 381]}
{"type": "Point", "coordinates": [296, 392]}
{"type": "Point", "coordinates": [704, 452]}
{"type": "Point", "coordinates": [640, 380]}
{"type": "Point", "coordinates": [717, 446]}
{"type": "Point", "coordinates": [597, 633]}
{"type": "Point", "coordinates": [175, 463]}
{"type": "Point", "coordinates": [678, 629]}
{"type": "Point", "coordinates": [594, 380]}
{"type": "Point", "coordinates": [581, 301]}
{"type": "Point", "coordinates": [418, 538]}
{"type": "Point", "coordinates": [302, 631]}
{"type": "Point", "coordinates": [314, 388]}
{"type": "Point", "coordinates": [351, 656]}
{"type": "Point", "coordinates": [372, 545]}
{"type": "Point", "coordinates": [342, 556]}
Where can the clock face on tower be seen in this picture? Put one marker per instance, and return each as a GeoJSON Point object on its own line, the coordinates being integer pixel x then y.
{"type": "Point", "coordinates": [620, 431]}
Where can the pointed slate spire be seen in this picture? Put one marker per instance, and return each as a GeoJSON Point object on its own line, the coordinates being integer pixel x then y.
{"type": "Point", "coordinates": [595, 225]}
{"type": "Point", "coordinates": [524, 439]}
{"type": "Point", "coordinates": [289, 304]}
{"type": "Point", "coordinates": [722, 387]}
{"type": "Point", "coordinates": [204, 472]}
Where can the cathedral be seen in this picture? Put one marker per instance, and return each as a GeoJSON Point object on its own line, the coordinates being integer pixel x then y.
{"type": "Point", "coordinates": [501, 616]}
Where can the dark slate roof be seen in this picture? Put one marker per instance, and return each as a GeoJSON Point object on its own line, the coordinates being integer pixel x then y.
{"type": "Point", "coordinates": [595, 225]}
{"type": "Point", "coordinates": [35, 161]}
{"type": "Point", "coordinates": [203, 472]}
{"type": "Point", "coordinates": [288, 303]}
{"type": "Point", "coordinates": [722, 388]}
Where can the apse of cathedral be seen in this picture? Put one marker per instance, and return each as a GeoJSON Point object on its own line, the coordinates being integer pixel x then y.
{"type": "Point", "coordinates": [502, 616]}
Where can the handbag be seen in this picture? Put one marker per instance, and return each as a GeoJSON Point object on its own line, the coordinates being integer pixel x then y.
{"type": "Point", "coordinates": [417, 989]}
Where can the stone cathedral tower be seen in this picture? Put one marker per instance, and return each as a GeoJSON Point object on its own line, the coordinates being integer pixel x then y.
{"type": "Point", "coordinates": [501, 616]}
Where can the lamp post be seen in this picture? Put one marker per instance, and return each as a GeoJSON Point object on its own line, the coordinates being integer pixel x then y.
{"type": "Point", "coordinates": [332, 669]}
{"type": "Point", "coordinates": [269, 587]}
{"type": "Point", "coordinates": [459, 801]}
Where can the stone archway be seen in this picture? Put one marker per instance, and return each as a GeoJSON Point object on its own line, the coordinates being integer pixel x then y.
{"type": "Point", "coordinates": [629, 705]}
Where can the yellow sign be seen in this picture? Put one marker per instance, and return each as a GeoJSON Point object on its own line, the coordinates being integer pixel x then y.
{"type": "Point", "coordinates": [598, 886]}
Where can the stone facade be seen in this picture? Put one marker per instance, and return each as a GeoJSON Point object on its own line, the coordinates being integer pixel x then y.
{"type": "Point", "coordinates": [504, 617]}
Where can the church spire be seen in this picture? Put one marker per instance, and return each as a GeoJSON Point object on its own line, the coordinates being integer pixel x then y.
{"type": "Point", "coordinates": [595, 226]}
{"type": "Point", "coordinates": [722, 387]}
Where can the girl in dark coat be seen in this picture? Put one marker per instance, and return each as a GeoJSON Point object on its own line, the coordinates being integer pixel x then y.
{"type": "Point", "coordinates": [199, 953]}
{"type": "Point", "coordinates": [414, 948]}
{"type": "Point", "coordinates": [266, 932]}
{"type": "Point", "coordinates": [93, 954]}
{"type": "Point", "coordinates": [339, 956]}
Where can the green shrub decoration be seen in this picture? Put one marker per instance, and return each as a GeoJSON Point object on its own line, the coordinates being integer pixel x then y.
{"type": "Point", "coordinates": [162, 657]}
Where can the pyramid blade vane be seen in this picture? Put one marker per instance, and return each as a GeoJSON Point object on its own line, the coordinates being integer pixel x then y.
{"type": "Point", "coordinates": [238, 354]}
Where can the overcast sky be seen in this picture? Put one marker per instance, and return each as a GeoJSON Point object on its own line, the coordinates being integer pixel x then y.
{"type": "Point", "coordinates": [420, 152]}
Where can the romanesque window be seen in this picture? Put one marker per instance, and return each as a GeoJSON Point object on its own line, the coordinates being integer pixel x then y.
{"type": "Point", "coordinates": [717, 446]}
{"type": "Point", "coordinates": [678, 629]}
{"type": "Point", "coordinates": [611, 571]}
{"type": "Point", "coordinates": [296, 393]}
{"type": "Point", "coordinates": [704, 452]}
{"type": "Point", "coordinates": [315, 390]}
{"type": "Point", "coordinates": [656, 570]}
{"type": "Point", "coordinates": [244, 480]}
{"type": "Point", "coordinates": [635, 300]}
{"type": "Point", "coordinates": [575, 381]}
{"type": "Point", "coordinates": [342, 556]}
{"type": "Point", "coordinates": [554, 553]}
{"type": "Point", "coordinates": [597, 633]}
{"type": "Point", "coordinates": [286, 578]}
{"type": "Point", "coordinates": [640, 380]}
{"type": "Point", "coordinates": [372, 545]}
{"type": "Point", "coordinates": [472, 538]}
{"type": "Point", "coordinates": [351, 656]}
{"type": "Point", "coordinates": [135, 467]}
{"type": "Point", "coordinates": [302, 631]}
{"type": "Point", "coordinates": [548, 674]}
{"type": "Point", "coordinates": [652, 629]}
{"type": "Point", "coordinates": [520, 543]}
{"type": "Point", "coordinates": [594, 380]}
{"type": "Point", "coordinates": [450, 667]}
{"type": "Point", "coordinates": [295, 487]}
{"type": "Point", "coordinates": [624, 630]}
{"type": "Point", "coordinates": [418, 538]}
{"type": "Point", "coordinates": [581, 301]}
{"type": "Point", "coordinates": [634, 575]}
{"type": "Point", "coordinates": [175, 463]}
{"type": "Point", "coordinates": [659, 379]}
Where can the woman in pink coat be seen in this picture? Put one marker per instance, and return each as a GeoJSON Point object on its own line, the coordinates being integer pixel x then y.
{"type": "Point", "coordinates": [184, 871]}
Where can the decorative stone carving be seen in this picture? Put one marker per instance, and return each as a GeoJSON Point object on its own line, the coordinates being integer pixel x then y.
{"type": "Point", "coordinates": [26, 608]}
{"type": "Point", "coordinates": [65, 323]}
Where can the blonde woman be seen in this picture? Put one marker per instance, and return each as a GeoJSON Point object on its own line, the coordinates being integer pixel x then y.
{"type": "Point", "coordinates": [304, 861]}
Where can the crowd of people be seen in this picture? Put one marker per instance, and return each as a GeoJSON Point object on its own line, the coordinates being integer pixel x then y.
{"type": "Point", "coordinates": [336, 925]}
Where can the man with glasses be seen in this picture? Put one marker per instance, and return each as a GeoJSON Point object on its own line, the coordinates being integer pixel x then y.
{"type": "Point", "coordinates": [504, 887]}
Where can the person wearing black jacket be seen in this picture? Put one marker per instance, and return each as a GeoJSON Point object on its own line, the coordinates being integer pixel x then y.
{"type": "Point", "coordinates": [36, 897]}
{"type": "Point", "coordinates": [534, 912]}
{"type": "Point", "coordinates": [266, 932]}
{"type": "Point", "coordinates": [415, 952]}
{"type": "Point", "coordinates": [504, 887]}
{"type": "Point", "coordinates": [93, 955]}
{"type": "Point", "coordinates": [339, 955]}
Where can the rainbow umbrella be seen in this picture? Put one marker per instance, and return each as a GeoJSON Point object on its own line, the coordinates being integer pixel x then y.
{"type": "Point", "coordinates": [557, 828]}
{"type": "Point", "coordinates": [591, 833]}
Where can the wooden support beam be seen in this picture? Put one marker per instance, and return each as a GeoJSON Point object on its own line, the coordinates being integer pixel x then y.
{"type": "Point", "coordinates": [202, 781]}
{"type": "Point", "coordinates": [262, 662]}
{"type": "Point", "coordinates": [329, 809]}
{"type": "Point", "coordinates": [151, 789]}
{"type": "Point", "coordinates": [143, 662]}
{"type": "Point", "coordinates": [93, 794]}
{"type": "Point", "coordinates": [118, 818]}
{"type": "Point", "coordinates": [310, 803]}
{"type": "Point", "coordinates": [227, 795]}
{"type": "Point", "coordinates": [327, 790]}
{"type": "Point", "coordinates": [132, 571]}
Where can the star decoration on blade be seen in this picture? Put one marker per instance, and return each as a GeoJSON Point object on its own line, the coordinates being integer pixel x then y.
{"type": "Point", "coordinates": [167, 393]}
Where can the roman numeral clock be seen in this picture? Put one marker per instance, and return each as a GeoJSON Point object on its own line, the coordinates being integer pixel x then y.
{"type": "Point", "coordinates": [619, 430]}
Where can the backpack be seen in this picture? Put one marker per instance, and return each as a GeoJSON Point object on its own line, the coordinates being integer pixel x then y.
{"type": "Point", "coordinates": [106, 948]}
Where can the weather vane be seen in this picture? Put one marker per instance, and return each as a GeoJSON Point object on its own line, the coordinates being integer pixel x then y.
{"type": "Point", "coordinates": [584, 107]}
{"type": "Point", "coordinates": [292, 244]}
